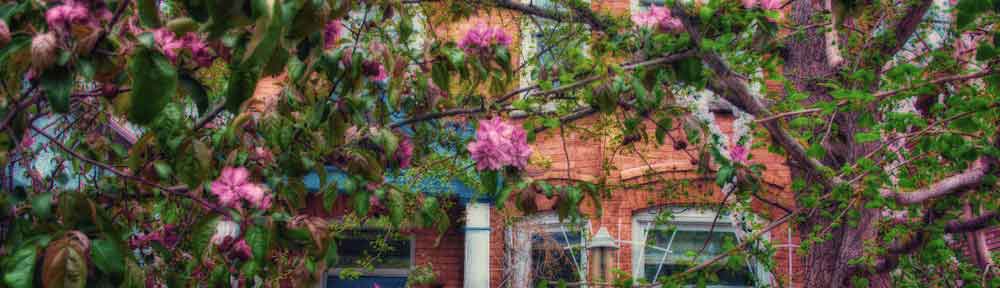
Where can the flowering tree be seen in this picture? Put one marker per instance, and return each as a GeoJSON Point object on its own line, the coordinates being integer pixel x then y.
{"type": "Point", "coordinates": [182, 130]}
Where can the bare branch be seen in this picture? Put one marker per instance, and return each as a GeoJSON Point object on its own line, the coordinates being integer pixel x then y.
{"type": "Point", "coordinates": [176, 190]}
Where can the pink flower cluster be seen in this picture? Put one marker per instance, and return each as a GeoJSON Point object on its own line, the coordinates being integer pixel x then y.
{"type": "Point", "coordinates": [172, 46]}
{"type": "Point", "coordinates": [404, 153]}
{"type": "Point", "coordinates": [75, 12]}
{"type": "Point", "coordinates": [167, 236]}
{"type": "Point", "coordinates": [331, 33]}
{"type": "Point", "coordinates": [234, 185]}
{"type": "Point", "coordinates": [739, 154]}
{"type": "Point", "coordinates": [766, 4]}
{"type": "Point", "coordinates": [374, 70]}
{"type": "Point", "coordinates": [4, 33]}
{"type": "Point", "coordinates": [481, 38]}
{"type": "Point", "coordinates": [659, 18]}
{"type": "Point", "coordinates": [499, 144]}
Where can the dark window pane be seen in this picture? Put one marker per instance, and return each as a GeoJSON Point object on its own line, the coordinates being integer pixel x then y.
{"type": "Point", "coordinates": [552, 257]}
{"type": "Point", "coordinates": [647, 3]}
{"type": "Point", "coordinates": [367, 245]}
{"type": "Point", "coordinates": [332, 281]}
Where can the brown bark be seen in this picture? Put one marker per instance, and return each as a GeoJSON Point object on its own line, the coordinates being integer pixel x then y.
{"type": "Point", "coordinates": [807, 67]}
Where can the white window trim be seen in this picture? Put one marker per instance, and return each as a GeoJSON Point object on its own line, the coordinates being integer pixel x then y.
{"type": "Point", "coordinates": [377, 272]}
{"type": "Point", "coordinates": [523, 231]}
{"type": "Point", "coordinates": [693, 219]}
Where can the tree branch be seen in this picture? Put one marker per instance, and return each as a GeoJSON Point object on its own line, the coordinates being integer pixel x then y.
{"type": "Point", "coordinates": [972, 224]}
{"type": "Point", "coordinates": [586, 15]}
{"type": "Point", "coordinates": [575, 85]}
{"type": "Point", "coordinates": [176, 190]}
{"type": "Point", "coordinates": [903, 30]}
{"type": "Point", "coordinates": [734, 88]}
{"type": "Point", "coordinates": [951, 184]}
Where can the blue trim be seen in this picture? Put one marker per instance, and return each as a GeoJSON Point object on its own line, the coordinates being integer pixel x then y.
{"type": "Point", "coordinates": [468, 229]}
{"type": "Point", "coordinates": [435, 187]}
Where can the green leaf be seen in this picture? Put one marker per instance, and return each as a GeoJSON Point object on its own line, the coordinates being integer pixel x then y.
{"type": "Point", "coordinates": [258, 237]}
{"type": "Point", "coordinates": [107, 256]}
{"type": "Point", "coordinates": [202, 235]}
{"type": "Point", "coordinates": [57, 82]}
{"type": "Point", "coordinates": [985, 52]}
{"type": "Point", "coordinates": [725, 175]}
{"type": "Point", "coordinates": [14, 46]}
{"type": "Point", "coordinates": [149, 15]}
{"type": "Point", "coordinates": [969, 10]}
{"type": "Point", "coordinates": [489, 179]}
{"type": "Point", "coordinates": [266, 36]}
{"type": "Point", "coordinates": [163, 169]}
{"type": "Point", "coordinates": [689, 70]}
{"type": "Point", "coordinates": [19, 267]}
{"type": "Point", "coordinates": [503, 57]}
{"type": "Point", "coordinates": [65, 265]}
{"type": "Point", "coordinates": [440, 75]}
{"type": "Point", "coordinates": [154, 82]}
{"type": "Point", "coordinates": [865, 137]}
{"type": "Point", "coordinates": [240, 87]}
{"type": "Point", "coordinates": [41, 205]}
{"type": "Point", "coordinates": [330, 255]}
{"type": "Point", "coordinates": [182, 25]}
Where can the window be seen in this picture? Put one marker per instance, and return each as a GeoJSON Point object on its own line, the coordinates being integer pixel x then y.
{"type": "Point", "coordinates": [368, 257]}
{"type": "Point", "coordinates": [643, 5]}
{"type": "Point", "coordinates": [546, 250]}
{"type": "Point", "coordinates": [662, 247]}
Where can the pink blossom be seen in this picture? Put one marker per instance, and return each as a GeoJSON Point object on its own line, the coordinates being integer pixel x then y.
{"type": "Point", "coordinates": [172, 46]}
{"type": "Point", "coordinates": [4, 33]}
{"type": "Point", "coordinates": [263, 155]}
{"type": "Point", "coordinates": [332, 33]}
{"type": "Point", "coordinates": [234, 184]}
{"type": "Point", "coordinates": [499, 144]}
{"type": "Point", "coordinates": [257, 197]}
{"type": "Point", "coordinates": [200, 52]}
{"type": "Point", "coordinates": [61, 17]}
{"type": "Point", "coordinates": [241, 250]}
{"type": "Point", "coordinates": [27, 141]}
{"type": "Point", "coordinates": [404, 153]}
{"type": "Point", "coordinates": [658, 17]}
{"type": "Point", "coordinates": [739, 154]}
{"type": "Point", "coordinates": [766, 4]}
{"type": "Point", "coordinates": [374, 70]}
{"type": "Point", "coordinates": [481, 38]}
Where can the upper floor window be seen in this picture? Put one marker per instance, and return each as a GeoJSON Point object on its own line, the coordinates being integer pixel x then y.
{"type": "Point", "coordinates": [546, 250]}
{"type": "Point", "coordinates": [663, 247]}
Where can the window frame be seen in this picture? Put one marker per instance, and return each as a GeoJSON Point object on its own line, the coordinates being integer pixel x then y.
{"type": "Point", "coordinates": [523, 233]}
{"type": "Point", "coordinates": [686, 218]}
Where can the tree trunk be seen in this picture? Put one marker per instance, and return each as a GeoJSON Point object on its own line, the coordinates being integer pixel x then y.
{"type": "Point", "coordinates": [807, 66]}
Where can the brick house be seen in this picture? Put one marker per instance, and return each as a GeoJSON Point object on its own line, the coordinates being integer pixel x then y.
{"type": "Point", "coordinates": [494, 247]}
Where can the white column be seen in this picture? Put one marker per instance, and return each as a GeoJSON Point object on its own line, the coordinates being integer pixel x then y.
{"type": "Point", "coordinates": [477, 245]}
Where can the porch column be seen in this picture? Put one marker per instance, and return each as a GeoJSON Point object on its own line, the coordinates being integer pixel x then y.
{"type": "Point", "coordinates": [477, 245]}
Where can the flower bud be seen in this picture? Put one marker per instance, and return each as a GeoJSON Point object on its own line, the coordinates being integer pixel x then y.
{"type": "Point", "coordinates": [44, 48]}
{"type": "Point", "coordinates": [4, 33]}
